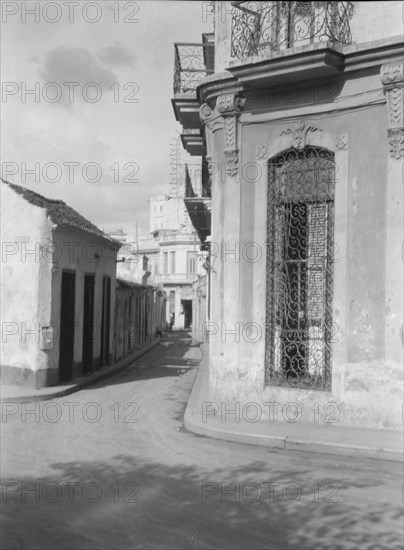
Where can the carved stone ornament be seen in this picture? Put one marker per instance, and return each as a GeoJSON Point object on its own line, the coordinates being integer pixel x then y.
{"type": "Point", "coordinates": [210, 118]}
{"type": "Point", "coordinates": [391, 73]}
{"type": "Point", "coordinates": [395, 103]}
{"type": "Point", "coordinates": [261, 151]}
{"type": "Point", "coordinates": [229, 105]}
{"type": "Point", "coordinates": [205, 112]}
{"type": "Point", "coordinates": [392, 77]}
{"type": "Point", "coordinates": [230, 132]}
{"type": "Point", "coordinates": [210, 165]}
{"type": "Point", "coordinates": [396, 142]}
{"type": "Point", "coordinates": [231, 161]}
{"type": "Point", "coordinates": [342, 142]}
{"type": "Point", "coordinates": [299, 133]}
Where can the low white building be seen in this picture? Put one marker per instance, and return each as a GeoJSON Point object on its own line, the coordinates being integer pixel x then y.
{"type": "Point", "coordinates": [57, 292]}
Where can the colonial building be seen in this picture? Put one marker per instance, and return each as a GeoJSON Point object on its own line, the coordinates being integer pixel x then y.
{"type": "Point", "coordinates": [302, 127]}
{"type": "Point", "coordinates": [168, 258]}
{"type": "Point", "coordinates": [57, 292]}
{"type": "Point", "coordinates": [139, 317]}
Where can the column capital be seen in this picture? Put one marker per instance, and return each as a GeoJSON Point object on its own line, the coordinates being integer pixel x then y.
{"type": "Point", "coordinates": [392, 74]}
{"type": "Point", "coordinates": [230, 104]}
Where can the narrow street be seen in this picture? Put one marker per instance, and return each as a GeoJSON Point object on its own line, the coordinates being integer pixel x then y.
{"type": "Point", "coordinates": [112, 467]}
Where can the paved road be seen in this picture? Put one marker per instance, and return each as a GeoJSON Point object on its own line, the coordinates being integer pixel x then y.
{"type": "Point", "coordinates": [111, 467]}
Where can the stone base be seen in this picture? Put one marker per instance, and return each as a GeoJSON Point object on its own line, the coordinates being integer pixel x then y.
{"type": "Point", "coordinates": [26, 377]}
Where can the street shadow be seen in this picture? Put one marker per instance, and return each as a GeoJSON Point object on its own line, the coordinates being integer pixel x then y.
{"type": "Point", "coordinates": [133, 503]}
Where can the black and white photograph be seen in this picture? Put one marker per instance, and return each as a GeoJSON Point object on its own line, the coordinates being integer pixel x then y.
{"type": "Point", "coordinates": [202, 260]}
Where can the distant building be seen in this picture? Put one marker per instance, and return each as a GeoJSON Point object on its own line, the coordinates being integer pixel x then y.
{"type": "Point", "coordinates": [169, 258]}
{"type": "Point", "coordinates": [57, 292]}
{"type": "Point", "coordinates": [139, 317]}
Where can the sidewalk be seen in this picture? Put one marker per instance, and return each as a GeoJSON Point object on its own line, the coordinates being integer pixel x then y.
{"type": "Point", "coordinates": [299, 436]}
{"type": "Point", "coordinates": [22, 394]}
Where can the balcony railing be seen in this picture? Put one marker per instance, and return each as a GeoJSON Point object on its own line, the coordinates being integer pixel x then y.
{"type": "Point", "coordinates": [276, 26]}
{"type": "Point", "coordinates": [189, 66]}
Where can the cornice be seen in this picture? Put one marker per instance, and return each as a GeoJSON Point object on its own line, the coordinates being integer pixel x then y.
{"type": "Point", "coordinates": [215, 85]}
{"type": "Point", "coordinates": [365, 57]}
{"type": "Point", "coordinates": [300, 64]}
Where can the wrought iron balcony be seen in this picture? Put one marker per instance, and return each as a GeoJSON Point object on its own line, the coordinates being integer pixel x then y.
{"type": "Point", "coordinates": [275, 26]}
{"type": "Point", "coordinates": [192, 63]}
{"type": "Point", "coordinates": [198, 206]}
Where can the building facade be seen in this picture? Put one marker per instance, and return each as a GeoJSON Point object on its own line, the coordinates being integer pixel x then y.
{"type": "Point", "coordinates": [57, 292]}
{"type": "Point", "coordinates": [169, 258]}
{"type": "Point", "coordinates": [302, 127]}
{"type": "Point", "coordinates": [139, 317]}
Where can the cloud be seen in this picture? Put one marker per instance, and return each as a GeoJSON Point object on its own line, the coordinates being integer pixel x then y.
{"type": "Point", "coordinates": [117, 55]}
{"type": "Point", "coordinates": [64, 64]}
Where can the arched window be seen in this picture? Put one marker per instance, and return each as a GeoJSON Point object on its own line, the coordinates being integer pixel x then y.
{"type": "Point", "coordinates": [300, 268]}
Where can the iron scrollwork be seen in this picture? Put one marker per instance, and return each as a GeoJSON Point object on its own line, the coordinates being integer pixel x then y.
{"type": "Point", "coordinates": [189, 67]}
{"type": "Point", "coordinates": [300, 268]}
{"type": "Point", "coordinates": [275, 26]}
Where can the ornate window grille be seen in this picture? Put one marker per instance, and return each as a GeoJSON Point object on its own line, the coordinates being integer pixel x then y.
{"type": "Point", "coordinates": [300, 269]}
{"type": "Point", "coordinates": [190, 66]}
{"type": "Point", "coordinates": [275, 26]}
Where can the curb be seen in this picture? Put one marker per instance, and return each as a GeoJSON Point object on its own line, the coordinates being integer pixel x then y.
{"type": "Point", "coordinates": [193, 424]}
{"type": "Point", "coordinates": [119, 367]}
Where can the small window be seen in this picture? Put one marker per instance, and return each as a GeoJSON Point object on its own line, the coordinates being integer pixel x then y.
{"type": "Point", "coordinates": [191, 263]}
{"type": "Point", "coordinates": [172, 262]}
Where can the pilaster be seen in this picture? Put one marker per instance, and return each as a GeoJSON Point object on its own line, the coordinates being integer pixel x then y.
{"type": "Point", "coordinates": [392, 77]}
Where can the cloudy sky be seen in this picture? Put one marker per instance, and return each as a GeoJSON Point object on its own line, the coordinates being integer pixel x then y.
{"type": "Point", "coordinates": [117, 130]}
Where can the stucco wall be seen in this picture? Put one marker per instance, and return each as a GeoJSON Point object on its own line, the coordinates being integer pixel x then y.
{"type": "Point", "coordinates": [34, 255]}
{"type": "Point", "coordinates": [384, 18]}
{"type": "Point", "coordinates": [76, 251]}
{"type": "Point", "coordinates": [367, 376]}
{"type": "Point", "coordinates": [21, 273]}
{"type": "Point", "coordinates": [131, 331]}
{"type": "Point", "coordinates": [199, 308]}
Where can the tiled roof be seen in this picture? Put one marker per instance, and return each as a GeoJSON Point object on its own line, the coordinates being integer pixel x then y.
{"type": "Point", "coordinates": [122, 283]}
{"type": "Point", "coordinates": [60, 213]}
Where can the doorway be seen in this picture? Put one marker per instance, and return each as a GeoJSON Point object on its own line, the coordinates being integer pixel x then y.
{"type": "Point", "coordinates": [67, 325]}
{"type": "Point", "coordinates": [187, 309]}
{"type": "Point", "coordinates": [105, 320]}
{"type": "Point", "coordinates": [88, 323]}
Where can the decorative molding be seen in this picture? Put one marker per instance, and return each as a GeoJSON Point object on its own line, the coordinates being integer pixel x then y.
{"type": "Point", "coordinates": [396, 142]}
{"type": "Point", "coordinates": [299, 133]}
{"type": "Point", "coordinates": [231, 156]}
{"type": "Point", "coordinates": [210, 118]}
{"type": "Point", "coordinates": [205, 112]}
{"type": "Point", "coordinates": [230, 132]}
{"type": "Point", "coordinates": [391, 73]}
{"type": "Point", "coordinates": [395, 102]}
{"type": "Point", "coordinates": [261, 151]}
{"type": "Point", "coordinates": [210, 164]}
{"type": "Point", "coordinates": [230, 105]}
{"type": "Point", "coordinates": [392, 77]}
{"type": "Point", "coordinates": [342, 142]}
{"type": "Point", "coordinates": [225, 116]}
